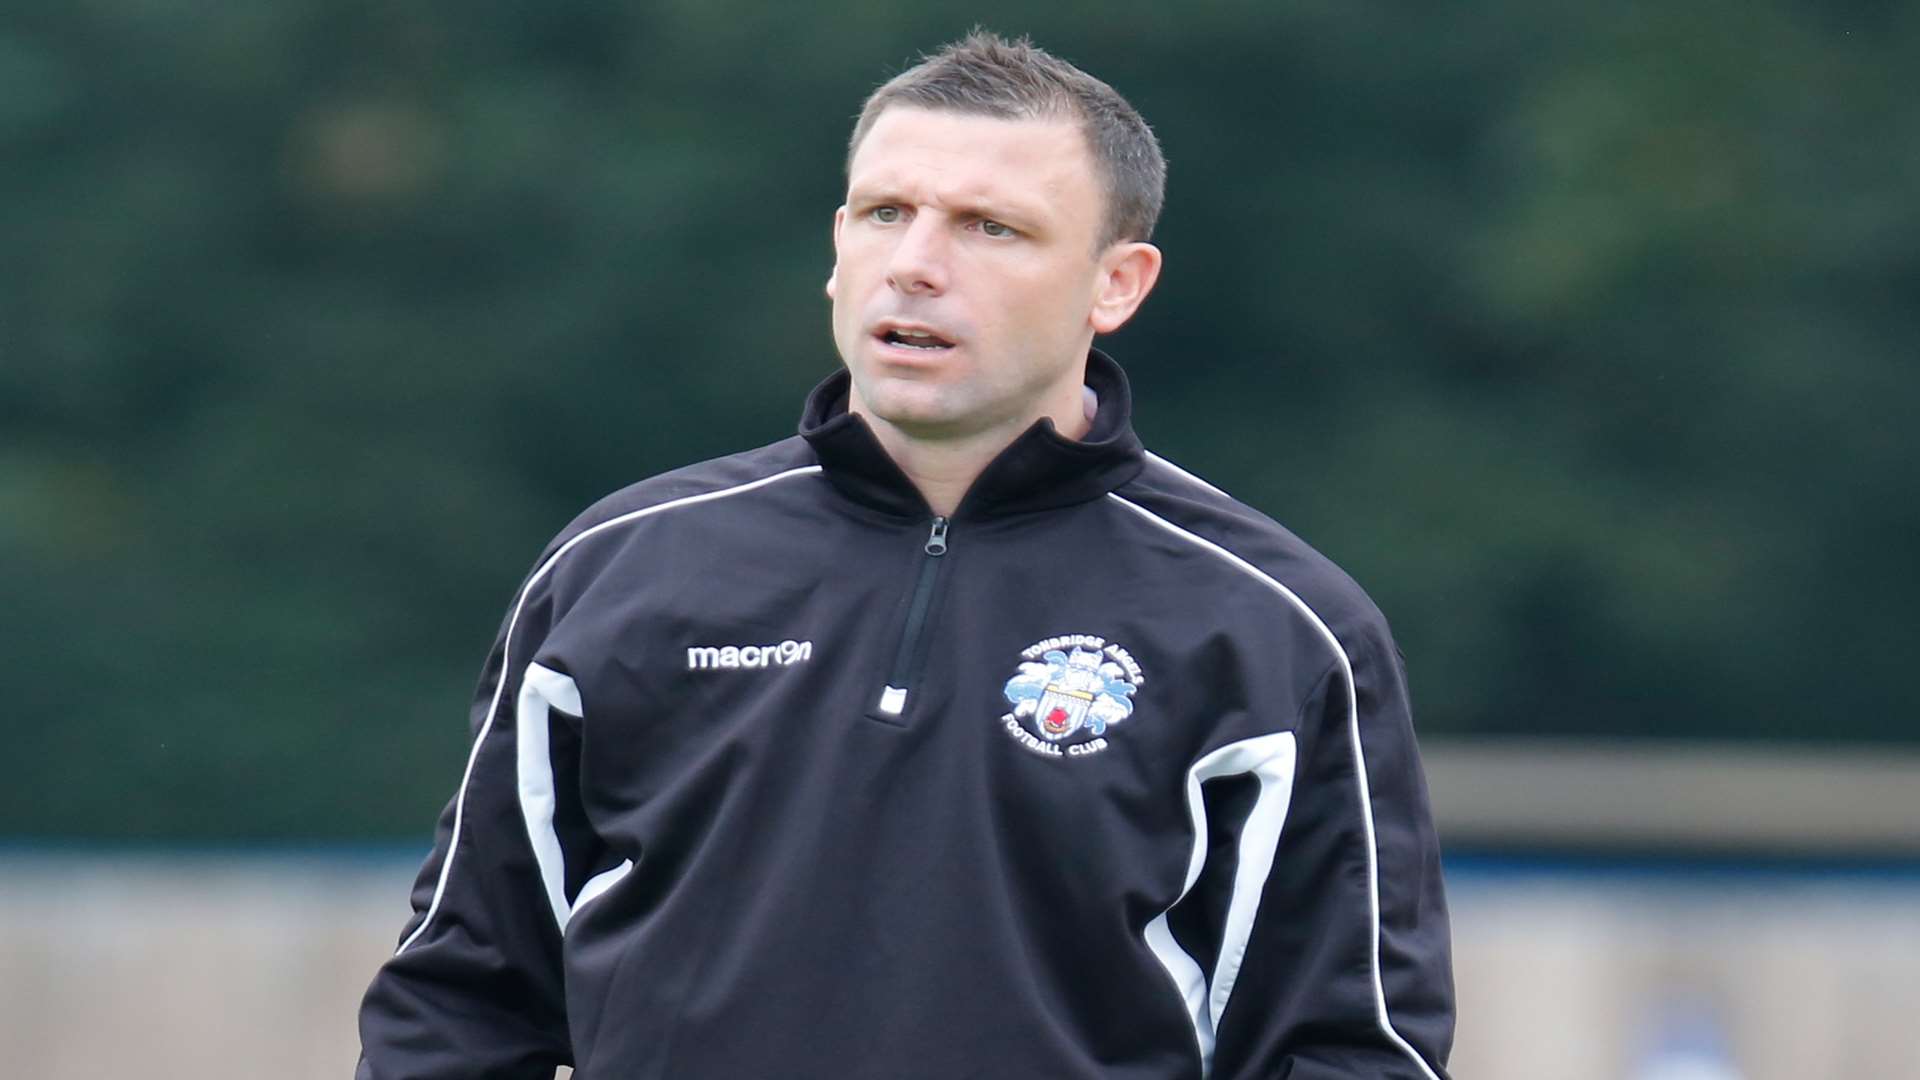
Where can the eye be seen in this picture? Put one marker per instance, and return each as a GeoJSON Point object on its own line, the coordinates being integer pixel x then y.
{"type": "Point", "coordinates": [993, 228]}
{"type": "Point", "coordinates": [884, 215]}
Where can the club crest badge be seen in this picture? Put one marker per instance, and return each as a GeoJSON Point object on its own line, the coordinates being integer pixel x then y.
{"type": "Point", "coordinates": [1068, 691]}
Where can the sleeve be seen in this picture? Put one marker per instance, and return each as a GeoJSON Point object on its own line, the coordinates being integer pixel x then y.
{"type": "Point", "coordinates": [475, 990]}
{"type": "Point", "coordinates": [1347, 970]}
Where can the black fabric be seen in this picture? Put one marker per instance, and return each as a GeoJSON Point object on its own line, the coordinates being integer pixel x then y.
{"type": "Point", "coordinates": [961, 892]}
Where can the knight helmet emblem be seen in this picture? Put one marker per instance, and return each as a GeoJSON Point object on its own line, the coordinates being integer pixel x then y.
{"type": "Point", "coordinates": [1068, 689]}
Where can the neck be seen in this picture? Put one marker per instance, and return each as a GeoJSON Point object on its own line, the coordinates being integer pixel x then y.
{"type": "Point", "coordinates": [943, 468]}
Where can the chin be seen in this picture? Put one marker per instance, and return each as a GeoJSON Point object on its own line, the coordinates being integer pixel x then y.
{"type": "Point", "coordinates": [917, 408]}
{"type": "Point", "coordinates": [903, 412]}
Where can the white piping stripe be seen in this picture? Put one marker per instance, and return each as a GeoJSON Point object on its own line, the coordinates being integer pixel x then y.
{"type": "Point", "coordinates": [1188, 979]}
{"type": "Point", "coordinates": [460, 800]}
{"type": "Point", "coordinates": [1271, 758]}
{"type": "Point", "coordinates": [1185, 475]}
{"type": "Point", "coordinates": [599, 883]}
{"type": "Point", "coordinates": [1359, 757]}
{"type": "Point", "coordinates": [543, 690]}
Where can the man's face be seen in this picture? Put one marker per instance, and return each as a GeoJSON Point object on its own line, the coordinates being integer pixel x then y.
{"type": "Point", "coordinates": [966, 275]}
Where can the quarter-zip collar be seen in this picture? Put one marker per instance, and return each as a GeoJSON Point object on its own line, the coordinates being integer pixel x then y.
{"type": "Point", "coordinates": [1039, 470]}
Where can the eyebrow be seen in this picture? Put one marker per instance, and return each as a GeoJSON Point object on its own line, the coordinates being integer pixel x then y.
{"type": "Point", "coordinates": [975, 207]}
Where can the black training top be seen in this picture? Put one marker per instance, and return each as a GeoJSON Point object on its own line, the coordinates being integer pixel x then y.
{"type": "Point", "coordinates": [777, 775]}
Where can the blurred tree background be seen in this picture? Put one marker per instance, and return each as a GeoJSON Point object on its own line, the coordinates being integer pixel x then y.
{"type": "Point", "coordinates": [1584, 336]}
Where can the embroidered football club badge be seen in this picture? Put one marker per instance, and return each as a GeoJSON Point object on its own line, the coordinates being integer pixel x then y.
{"type": "Point", "coordinates": [1068, 691]}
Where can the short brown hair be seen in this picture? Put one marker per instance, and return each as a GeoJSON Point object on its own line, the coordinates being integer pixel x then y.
{"type": "Point", "coordinates": [984, 74]}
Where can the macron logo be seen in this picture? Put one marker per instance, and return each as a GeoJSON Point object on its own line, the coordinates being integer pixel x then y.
{"type": "Point", "coordinates": [705, 657]}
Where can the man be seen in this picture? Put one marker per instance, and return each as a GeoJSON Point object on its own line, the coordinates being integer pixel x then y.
{"type": "Point", "coordinates": [957, 736]}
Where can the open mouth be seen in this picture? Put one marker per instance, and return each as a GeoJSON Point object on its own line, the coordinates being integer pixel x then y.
{"type": "Point", "coordinates": [916, 339]}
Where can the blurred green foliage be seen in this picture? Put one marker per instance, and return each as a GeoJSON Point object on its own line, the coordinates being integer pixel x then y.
{"type": "Point", "coordinates": [1584, 336]}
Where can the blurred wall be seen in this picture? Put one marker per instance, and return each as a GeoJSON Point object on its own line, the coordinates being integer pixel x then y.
{"type": "Point", "coordinates": [203, 966]}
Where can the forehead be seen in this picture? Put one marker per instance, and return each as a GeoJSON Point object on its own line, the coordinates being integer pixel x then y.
{"type": "Point", "coordinates": [950, 156]}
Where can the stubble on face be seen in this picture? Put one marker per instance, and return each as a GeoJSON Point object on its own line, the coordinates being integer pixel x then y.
{"type": "Point", "coordinates": [965, 272]}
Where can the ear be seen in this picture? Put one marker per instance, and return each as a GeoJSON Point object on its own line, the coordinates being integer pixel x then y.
{"type": "Point", "coordinates": [833, 276]}
{"type": "Point", "coordinates": [1127, 275]}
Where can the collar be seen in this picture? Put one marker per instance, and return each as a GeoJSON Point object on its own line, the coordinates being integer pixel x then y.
{"type": "Point", "coordinates": [1040, 470]}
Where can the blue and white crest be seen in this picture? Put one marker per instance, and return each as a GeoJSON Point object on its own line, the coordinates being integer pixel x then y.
{"type": "Point", "coordinates": [1068, 685]}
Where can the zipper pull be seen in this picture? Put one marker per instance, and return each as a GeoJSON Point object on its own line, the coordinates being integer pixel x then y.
{"type": "Point", "coordinates": [937, 539]}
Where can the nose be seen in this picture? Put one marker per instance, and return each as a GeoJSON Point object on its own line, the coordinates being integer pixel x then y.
{"type": "Point", "coordinates": [918, 263]}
